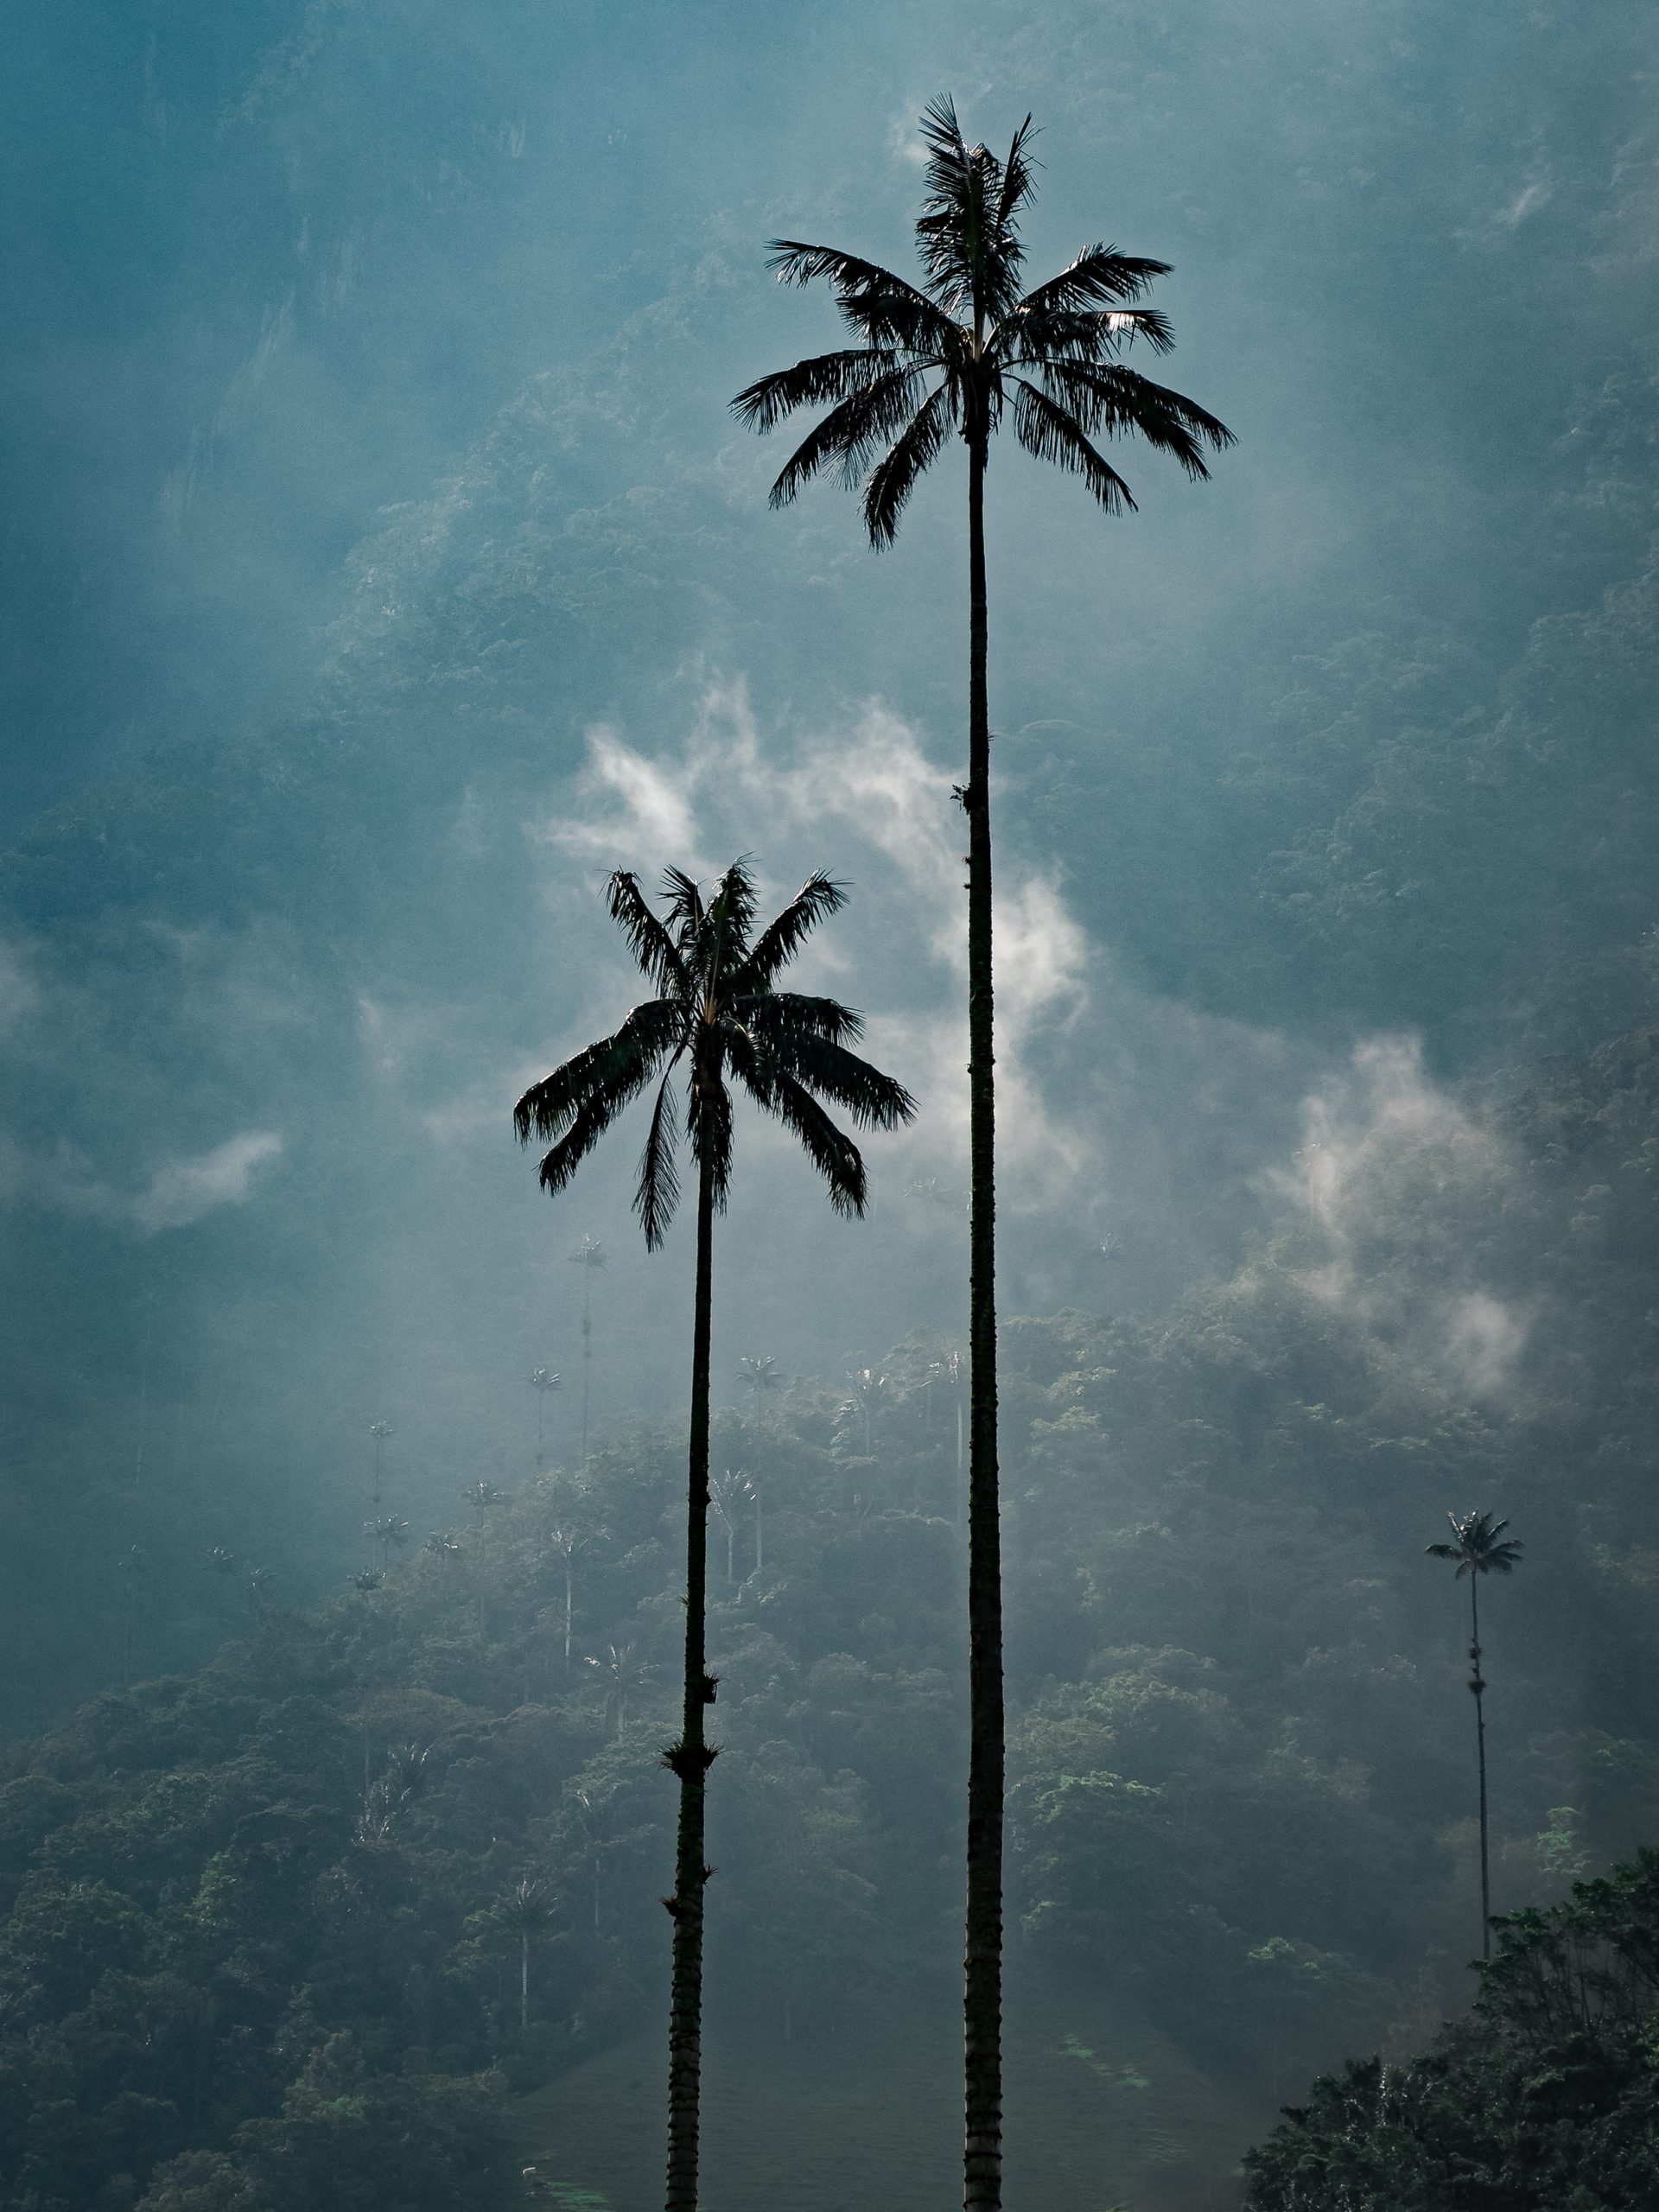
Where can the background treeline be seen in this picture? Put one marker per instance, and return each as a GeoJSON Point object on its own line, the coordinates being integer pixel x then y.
{"type": "Point", "coordinates": [386, 1861]}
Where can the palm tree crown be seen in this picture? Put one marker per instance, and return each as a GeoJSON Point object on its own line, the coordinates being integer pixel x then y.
{"type": "Point", "coordinates": [951, 354]}
{"type": "Point", "coordinates": [1476, 1547]}
{"type": "Point", "coordinates": [717, 1011]}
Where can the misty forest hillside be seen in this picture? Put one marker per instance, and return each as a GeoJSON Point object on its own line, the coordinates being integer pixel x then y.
{"type": "Point", "coordinates": [389, 1865]}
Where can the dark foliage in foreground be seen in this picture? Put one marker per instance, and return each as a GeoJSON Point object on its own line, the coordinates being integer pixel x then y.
{"type": "Point", "coordinates": [1547, 2100]}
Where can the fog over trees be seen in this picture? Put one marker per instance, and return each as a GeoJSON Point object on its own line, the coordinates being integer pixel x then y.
{"type": "Point", "coordinates": [384, 570]}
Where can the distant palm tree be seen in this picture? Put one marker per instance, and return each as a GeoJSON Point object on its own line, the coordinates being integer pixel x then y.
{"type": "Point", "coordinates": [151, 1296]}
{"type": "Point", "coordinates": [382, 1432]}
{"type": "Point", "coordinates": [588, 1256]}
{"type": "Point", "coordinates": [952, 358]}
{"type": "Point", "coordinates": [870, 1392]}
{"type": "Point", "coordinates": [133, 1567]}
{"type": "Point", "coordinates": [956, 1369]}
{"type": "Point", "coordinates": [481, 1497]}
{"type": "Point", "coordinates": [541, 1380]}
{"type": "Point", "coordinates": [526, 1910]}
{"type": "Point", "coordinates": [719, 1012]}
{"type": "Point", "coordinates": [221, 1565]}
{"type": "Point", "coordinates": [390, 1532]}
{"type": "Point", "coordinates": [1477, 1550]}
{"type": "Point", "coordinates": [623, 1677]}
{"type": "Point", "coordinates": [755, 1495]}
{"type": "Point", "coordinates": [761, 1378]}
{"type": "Point", "coordinates": [726, 1493]}
{"type": "Point", "coordinates": [567, 1542]}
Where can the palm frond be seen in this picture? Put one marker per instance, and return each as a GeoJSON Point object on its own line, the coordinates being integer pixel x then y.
{"type": "Point", "coordinates": [659, 1190]}
{"type": "Point", "coordinates": [826, 379]}
{"type": "Point", "coordinates": [1018, 185]}
{"type": "Point", "coordinates": [887, 309]}
{"type": "Point", "coordinates": [1099, 276]}
{"type": "Point", "coordinates": [907, 459]}
{"type": "Point", "coordinates": [1097, 334]}
{"type": "Point", "coordinates": [604, 1076]}
{"type": "Point", "coordinates": [782, 939]}
{"type": "Point", "coordinates": [685, 914]}
{"type": "Point", "coordinates": [649, 942]}
{"type": "Point", "coordinates": [1118, 401]}
{"type": "Point", "coordinates": [851, 434]}
{"type": "Point", "coordinates": [731, 917]}
{"type": "Point", "coordinates": [874, 1101]}
{"type": "Point", "coordinates": [1053, 434]}
{"type": "Point", "coordinates": [835, 1155]}
{"type": "Point", "coordinates": [795, 1013]}
{"type": "Point", "coordinates": [584, 1132]}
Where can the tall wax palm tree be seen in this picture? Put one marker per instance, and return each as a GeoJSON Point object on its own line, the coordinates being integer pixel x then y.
{"type": "Point", "coordinates": [951, 357]}
{"type": "Point", "coordinates": [541, 1380]}
{"type": "Point", "coordinates": [133, 1567]}
{"type": "Point", "coordinates": [382, 1432]}
{"type": "Point", "coordinates": [481, 1497]}
{"type": "Point", "coordinates": [623, 1677]}
{"type": "Point", "coordinates": [718, 1015]}
{"type": "Point", "coordinates": [390, 1531]}
{"type": "Point", "coordinates": [755, 1495]}
{"type": "Point", "coordinates": [567, 1542]}
{"type": "Point", "coordinates": [221, 1565]}
{"type": "Point", "coordinates": [588, 1256]}
{"type": "Point", "coordinates": [1479, 1547]}
{"type": "Point", "coordinates": [761, 1378]}
{"type": "Point", "coordinates": [726, 1493]}
{"type": "Point", "coordinates": [526, 1911]}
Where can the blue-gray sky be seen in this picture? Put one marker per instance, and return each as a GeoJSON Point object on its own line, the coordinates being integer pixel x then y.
{"type": "Point", "coordinates": [381, 566]}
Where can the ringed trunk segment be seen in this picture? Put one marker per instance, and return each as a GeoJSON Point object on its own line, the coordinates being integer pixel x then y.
{"type": "Point", "coordinates": [690, 1758]}
{"type": "Point", "coordinates": [983, 1965]}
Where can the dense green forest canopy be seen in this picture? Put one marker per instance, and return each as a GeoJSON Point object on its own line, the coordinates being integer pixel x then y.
{"type": "Point", "coordinates": [261, 1914]}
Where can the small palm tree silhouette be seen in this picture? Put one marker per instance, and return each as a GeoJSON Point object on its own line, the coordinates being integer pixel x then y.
{"type": "Point", "coordinates": [1478, 1549]}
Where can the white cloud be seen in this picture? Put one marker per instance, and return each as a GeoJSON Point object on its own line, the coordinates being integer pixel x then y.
{"type": "Point", "coordinates": [1403, 1185]}
{"type": "Point", "coordinates": [184, 1191]}
{"type": "Point", "coordinates": [180, 1192]}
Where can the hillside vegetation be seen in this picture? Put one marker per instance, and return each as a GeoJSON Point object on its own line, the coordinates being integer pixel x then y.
{"type": "Point", "coordinates": [303, 1929]}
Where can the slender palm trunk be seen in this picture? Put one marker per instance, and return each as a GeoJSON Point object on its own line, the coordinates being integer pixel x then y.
{"type": "Point", "coordinates": [586, 1351]}
{"type": "Point", "coordinates": [690, 1758]}
{"type": "Point", "coordinates": [143, 1390]}
{"type": "Point", "coordinates": [983, 1976]}
{"type": "Point", "coordinates": [1477, 1683]}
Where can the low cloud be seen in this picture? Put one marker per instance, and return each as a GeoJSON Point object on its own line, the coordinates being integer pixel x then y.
{"type": "Point", "coordinates": [184, 1191]}
{"type": "Point", "coordinates": [1401, 1191]}
{"type": "Point", "coordinates": [180, 1192]}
